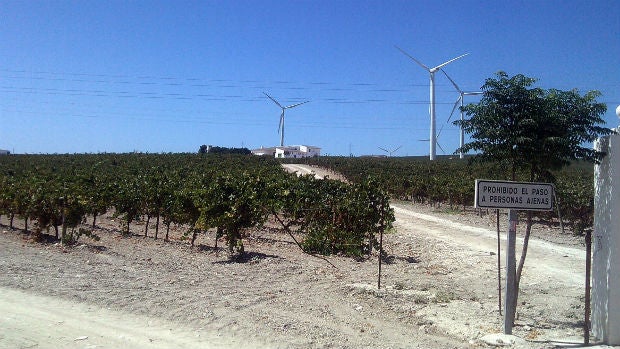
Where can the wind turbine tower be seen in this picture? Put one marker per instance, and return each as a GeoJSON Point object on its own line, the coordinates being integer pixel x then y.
{"type": "Point", "coordinates": [432, 71]}
{"type": "Point", "coordinates": [281, 125]}
{"type": "Point", "coordinates": [460, 99]}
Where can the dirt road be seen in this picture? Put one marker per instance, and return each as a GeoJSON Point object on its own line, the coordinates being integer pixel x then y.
{"type": "Point", "coordinates": [35, 321]}
{"type": "Point", "coordinates": [545, 261]}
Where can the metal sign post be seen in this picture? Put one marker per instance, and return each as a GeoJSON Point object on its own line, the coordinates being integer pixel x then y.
{"type": "Point", "coordinates": [513, 196]}
{"type": "Point", "coordinates": [511, 272]}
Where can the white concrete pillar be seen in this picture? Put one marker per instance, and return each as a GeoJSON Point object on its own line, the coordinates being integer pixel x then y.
{"type": "Point", "coordinates": [606, 243]}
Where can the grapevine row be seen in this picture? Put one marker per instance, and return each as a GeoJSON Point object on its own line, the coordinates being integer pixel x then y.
{"type": "Point", "coordinates": [228, 194]}
{"type": "Point", "coordinates": [451, 182]}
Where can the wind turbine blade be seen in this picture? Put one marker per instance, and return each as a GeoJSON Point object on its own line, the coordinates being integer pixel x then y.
{"type": "Point", "coordinates": [476, 93]}
{"type": "Point", "coordinates": [276, 102]}
{"type": "Point", "coordinates": [440, 147]}
{"type": "Point", "coordinates": [415, 60]}
{"type": "Point", "coordinates": [454, 108]}
{"type": "Point", "coordinates": [385, 150]}
{"type": "Point", "coordinates": [295, 105]}
{"type": "Point", "coordinates": [439, 133]}
{"type": "Point", "coordinates": [281, 122]}
{"type": "Point", "coordinates": [394, 151]}
{"type": "Point", "coordinates": [452, 81]}
{"type": "Point", "coordinates": [448, 62]}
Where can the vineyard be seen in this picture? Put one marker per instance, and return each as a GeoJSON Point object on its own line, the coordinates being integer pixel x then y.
{"type": "Point", "coordinates": [438, 275]}
{"type": "Point", "coordinates": [450, 182]}
{"type": "Point", "coordinates": [228, 194]}
{"type": "Point", "coordinates": [224, 194]}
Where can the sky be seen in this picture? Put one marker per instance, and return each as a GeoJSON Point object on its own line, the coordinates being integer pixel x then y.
{"type": "Point", "coordinates": [87, 76]}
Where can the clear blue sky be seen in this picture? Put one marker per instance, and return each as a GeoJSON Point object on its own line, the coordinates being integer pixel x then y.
{"type": "Point", "coordinates": [168, 76]}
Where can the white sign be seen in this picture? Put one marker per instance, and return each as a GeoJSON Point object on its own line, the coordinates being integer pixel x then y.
{"type": "Point", "coordinates": [514, 195]}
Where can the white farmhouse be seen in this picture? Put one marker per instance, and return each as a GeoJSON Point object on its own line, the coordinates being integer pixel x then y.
{"type": "Point", "coordinates": [4, 152]}
{"type": "Point", "coordinates": [289, 152]}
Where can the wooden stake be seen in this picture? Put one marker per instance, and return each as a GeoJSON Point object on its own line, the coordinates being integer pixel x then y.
{"type": "Point", "coordinates": [586, 323]}
{"type": "Point", "coordinates": [380, 252]}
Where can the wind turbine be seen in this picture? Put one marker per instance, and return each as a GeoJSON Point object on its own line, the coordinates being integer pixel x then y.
{"type": "Point", "coordinates": [460, 99]}
{"type": "Point", "coordinates": [438, 144]}
{"type": "Point", "coordinates": [390, 151]}
{"type": "Point", "coordinates": [432, 71]}
{"type": "Point", "coordinates": [281, 125]}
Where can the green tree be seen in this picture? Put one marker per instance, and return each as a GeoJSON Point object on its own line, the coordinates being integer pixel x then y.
{"type": "Point", "coordinates": [532, 128]}
{"type": "Point", "coordinates": [536, 131]}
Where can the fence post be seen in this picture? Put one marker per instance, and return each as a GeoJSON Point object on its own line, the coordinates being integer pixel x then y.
{"type": "Point", "coordinates": [606, 242]}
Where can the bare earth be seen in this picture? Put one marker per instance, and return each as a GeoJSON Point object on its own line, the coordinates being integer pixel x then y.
{"type": "Point", "coordinates": [439, 290]}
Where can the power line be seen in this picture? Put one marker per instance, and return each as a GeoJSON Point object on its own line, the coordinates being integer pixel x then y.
{"type": "Point", "coordinates": [194, 89]}
{"type": "Point", "coordinates": [216, 83]}
{"type": "Point", "coordinates": [181, 96]}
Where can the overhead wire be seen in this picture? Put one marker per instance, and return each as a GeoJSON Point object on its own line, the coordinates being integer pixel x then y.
{"type": "Point", "coordinates": [197, 89]}
{"type": "Point", "coordinates": [194, 89]}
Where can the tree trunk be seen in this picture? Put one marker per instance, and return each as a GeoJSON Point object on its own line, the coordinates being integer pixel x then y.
{"type": "Point", "coordinates": [526, 240]}
{"type": "Point", "coordinates": [157, 226]}
{"type": "Point", "coordinates": [557, 207]}
{"type": "Point", "coordinates": [194, 234]}
{"type": "Point", "coordinates": [94, 219]}
{"type": "Point", "coordinates": [26, 224]}
{"type": "Point", "coordinates": [167, 231]}
{"type": "Point", "coordinates": [11, 220]}
{"type": "Point", "coordinates": [146, 226]}
{"type": "Point", "coordinates": [64, 226]}
{"type": "Point", "coordinates": [230, 244]}
{"type": "Point", "coordinates": [63, 235]}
